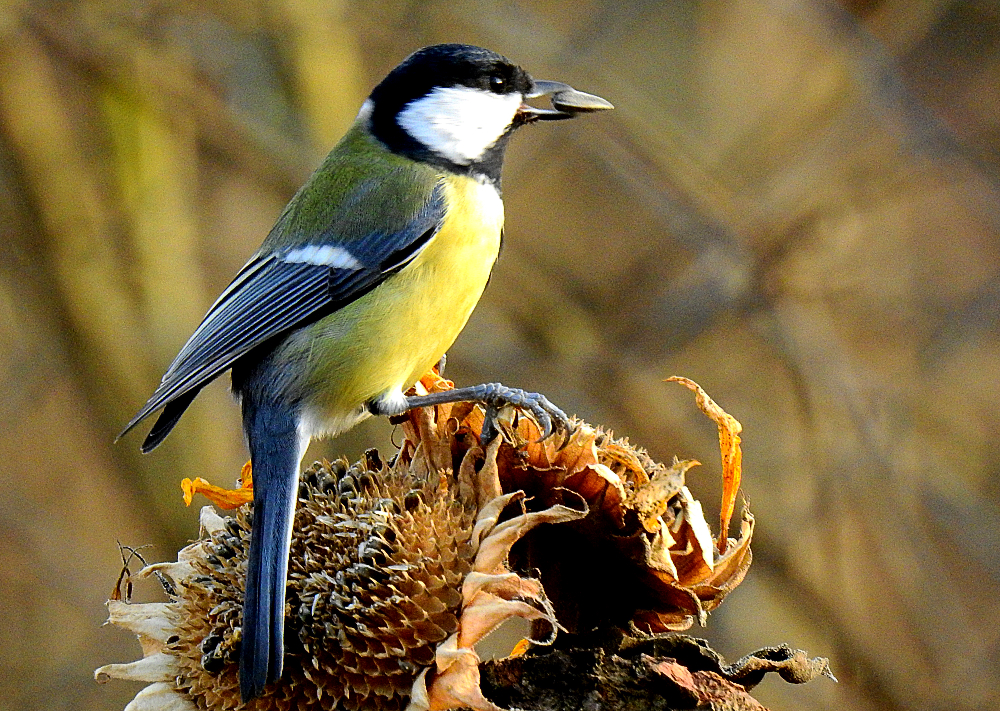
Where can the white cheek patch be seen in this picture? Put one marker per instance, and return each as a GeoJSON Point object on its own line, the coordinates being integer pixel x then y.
{"type": "Point", "coordinates": [458, 122]}
{"type": "Point", "coordinates": [322, 255]}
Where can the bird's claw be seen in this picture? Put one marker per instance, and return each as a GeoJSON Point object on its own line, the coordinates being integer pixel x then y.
{"type": "Point", "coordinates": [549, 417]}
{"type": "Point", "coordinates": [494, 397]}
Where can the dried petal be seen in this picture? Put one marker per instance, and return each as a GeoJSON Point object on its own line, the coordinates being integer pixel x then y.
{"type": "Point", "coordinates": [732, 455]}
{"type": "Point", "coordinates": [223, 498]}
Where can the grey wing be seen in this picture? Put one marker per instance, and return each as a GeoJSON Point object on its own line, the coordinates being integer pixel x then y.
{"type": "Point", "coordinates": [276, 293]}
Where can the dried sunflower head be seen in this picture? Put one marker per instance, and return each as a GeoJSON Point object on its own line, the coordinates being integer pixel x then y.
{"type": "Point", "coordinates": [397, 570]}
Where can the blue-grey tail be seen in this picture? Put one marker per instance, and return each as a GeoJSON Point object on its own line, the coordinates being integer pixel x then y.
{"type": "Point", "coordinates": [274, 453]}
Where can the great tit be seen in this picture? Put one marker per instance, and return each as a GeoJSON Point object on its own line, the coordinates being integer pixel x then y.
{"type": "Point", "coordinates": [369, 275]}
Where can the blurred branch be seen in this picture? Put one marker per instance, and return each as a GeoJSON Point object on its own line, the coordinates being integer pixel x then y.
{"type": "Point", "coordinates": [78, 218]}
{"type": "Point", "coordinates": [120, 56]}
{"type": "Point", "coordinates": [326, 65]}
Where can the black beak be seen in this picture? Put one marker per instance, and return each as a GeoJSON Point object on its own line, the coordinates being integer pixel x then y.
{"type": "Point", "coordinates": [567, 102]}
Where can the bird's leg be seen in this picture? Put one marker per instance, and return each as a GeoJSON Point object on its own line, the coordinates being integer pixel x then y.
{"type": "Point", "coordinates": [494, 397]}
{"type": "Point", "coordinates": [441, 364]}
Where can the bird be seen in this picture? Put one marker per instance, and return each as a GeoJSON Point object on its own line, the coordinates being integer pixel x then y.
{"type": "Point", "coordinates": [366, 279]}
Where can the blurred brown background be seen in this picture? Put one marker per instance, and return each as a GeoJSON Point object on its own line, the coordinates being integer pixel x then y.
{"type": "Point", "coordinates": [795, 204]}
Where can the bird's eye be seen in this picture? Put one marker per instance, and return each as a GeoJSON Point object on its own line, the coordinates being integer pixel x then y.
{"type": "Point", "coordinates": [497, 84]}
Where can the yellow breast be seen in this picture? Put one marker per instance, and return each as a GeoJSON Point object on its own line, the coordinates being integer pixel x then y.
{"type": "Point", "coordinates": [383, 342]}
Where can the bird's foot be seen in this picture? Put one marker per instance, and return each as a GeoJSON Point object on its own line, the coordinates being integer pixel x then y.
{"type": "Point", "coordinates": [494, 398]}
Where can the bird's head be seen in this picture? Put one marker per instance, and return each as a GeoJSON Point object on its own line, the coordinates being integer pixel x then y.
{"type": "Point", "coordinates": [455, 105]}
